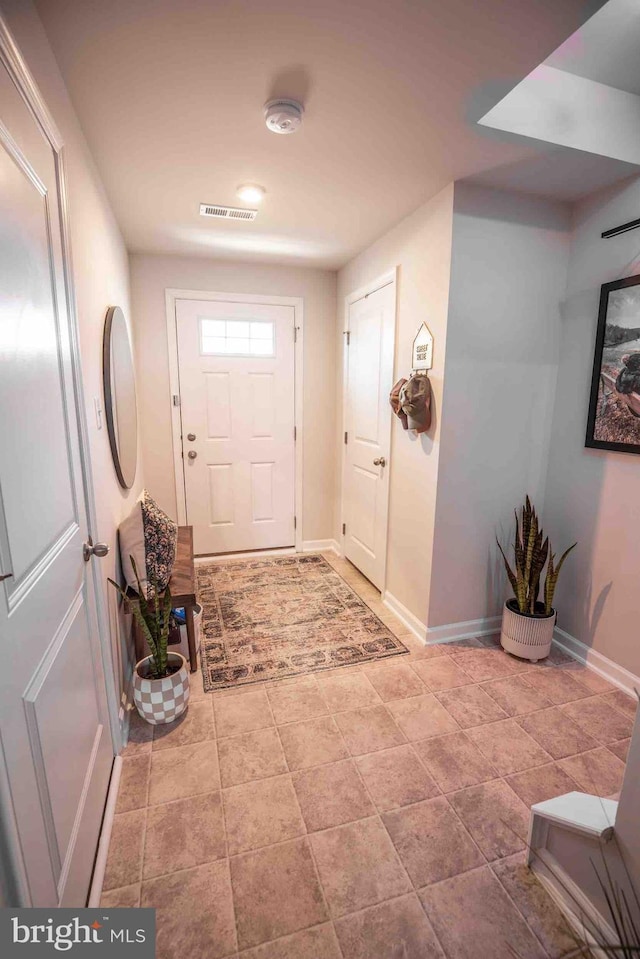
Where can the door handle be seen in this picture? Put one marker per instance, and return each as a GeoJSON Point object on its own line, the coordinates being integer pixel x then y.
{"type": "Point", "coordinates": [4, 576]}
{"type": "Point", "coordinates": [380, 461]}
{"type": "Point", "coordinates": [192, 454]}
{"type": "Point", "coordinates": [191, 437]}
{"type": "Point", "coordinates": [89, 550]}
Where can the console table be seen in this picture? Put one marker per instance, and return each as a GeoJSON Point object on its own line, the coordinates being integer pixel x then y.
{"type": "Point", "coordinates": [183, 594]}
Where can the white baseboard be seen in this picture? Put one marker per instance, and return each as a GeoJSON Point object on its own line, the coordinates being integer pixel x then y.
{"type": "Point", "coordinates": [254, 554]}
{"type": "Point", "coordinates": [579, 911]}
{"type": "Point", "coordinates": [430, 635]}
{"type": "Point", "coordinates": [405, 616]}
{"type": "Point", "coordinates": [97, 880]}
{"type": "Point", "coordinates": [320, 546]}
{"type": "Point", "coordinates": [618, 675]}
{"type": "Point", "coordinates": [465, 630]}
{"type": "Point", "coordinates": [308, 546]}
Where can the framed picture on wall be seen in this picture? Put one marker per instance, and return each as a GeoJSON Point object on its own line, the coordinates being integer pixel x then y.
{"type": "Point", "coordinates": [614, 407]}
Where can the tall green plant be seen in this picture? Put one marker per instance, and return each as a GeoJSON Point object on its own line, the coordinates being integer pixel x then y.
{"type": "Point", "coordinates": [153, 616]}
{"type": "Point", "coordinates": [531, 551]}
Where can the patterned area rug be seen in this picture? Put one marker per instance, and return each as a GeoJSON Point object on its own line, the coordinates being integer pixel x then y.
{"type": "Point", "coordinates": [278, 617]}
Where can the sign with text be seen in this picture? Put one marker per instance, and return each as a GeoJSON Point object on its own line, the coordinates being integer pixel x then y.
{"type": "Point", "coordinates": [423, 349]}
{"type": "Point", "coordinates": [83, 933]}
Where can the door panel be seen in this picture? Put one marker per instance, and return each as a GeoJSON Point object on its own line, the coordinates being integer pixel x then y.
{"type": "Point", "coordinates": [262, 493]}
{"type": "Point", "coordinates": [362, 524]}
{"type": "Point", "coordinates": [365, 343]}
{"type": "Point", "coordinates": [218, 388]}
{"type": "Point", "coordinates": [368, 419]}
{"type": "Point", "coordinates": [262, 405]}
{"type": "Point", "coordinates": [53, 710]}
{"type": "Point", "coordinates": [31, 447]}
{"type": "Point", "coordinates": [220, 494]}
{"type": "Point", "coordinates": [236, 364]}
{"type": "Point", "coordinates": [61, 746]}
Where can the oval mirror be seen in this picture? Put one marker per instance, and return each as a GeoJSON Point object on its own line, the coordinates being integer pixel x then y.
{"type": "Point", "coordinates": [120, 396]}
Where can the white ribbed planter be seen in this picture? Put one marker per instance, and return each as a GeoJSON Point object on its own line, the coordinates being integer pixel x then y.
{"type": "Point", "coordinates": [526, 636]}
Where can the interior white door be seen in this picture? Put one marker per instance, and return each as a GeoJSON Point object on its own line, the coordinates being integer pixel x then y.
{"type": "Point", "coordinates": [236, 364]}
{"type": "Point", "coordinates": [54, 728]}
{"type": "Point", "coordinates": [369, 365]}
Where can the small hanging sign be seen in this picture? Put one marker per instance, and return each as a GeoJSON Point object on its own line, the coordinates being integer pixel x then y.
{"type": "Point", "coordinates": [423, 349]}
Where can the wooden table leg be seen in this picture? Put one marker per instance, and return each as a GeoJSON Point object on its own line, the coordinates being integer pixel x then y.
{"type": "Point", "coordinates": [191, 637]}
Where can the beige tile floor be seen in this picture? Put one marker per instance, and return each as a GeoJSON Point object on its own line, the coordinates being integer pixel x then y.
{"type": "Point", "coordinates": [370, 812]}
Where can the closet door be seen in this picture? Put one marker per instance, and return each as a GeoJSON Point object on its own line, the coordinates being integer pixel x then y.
{"type": "Point", "coordinates": [371, 333]}
{"type": "Point", "coordinates": [56, 749]}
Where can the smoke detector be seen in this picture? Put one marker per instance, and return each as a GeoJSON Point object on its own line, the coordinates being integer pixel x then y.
{"type": "Point", "coordinates": [283, 116]}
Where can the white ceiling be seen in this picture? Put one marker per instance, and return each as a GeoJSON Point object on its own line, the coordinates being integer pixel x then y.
{"type": "Point", "coordinates": [560, 174]}
{"type": "Point", "coordinates": [606, 49]}
{"type": "Point", "coordinates": [584, 102]}
{"type": "Point", "coordinates": [170, 95]}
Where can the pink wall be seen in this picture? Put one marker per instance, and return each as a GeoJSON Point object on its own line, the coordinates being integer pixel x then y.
{"type": "Point", "coordinates": [420, 247]}
{"type": "Point", "coordinates": [502, 359]}
{"type": "Point", "coordinates": [593, 496]}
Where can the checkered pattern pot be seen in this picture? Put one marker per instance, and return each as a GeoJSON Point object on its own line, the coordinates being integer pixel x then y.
{"type": "Point", "coordinates": [161, 700]}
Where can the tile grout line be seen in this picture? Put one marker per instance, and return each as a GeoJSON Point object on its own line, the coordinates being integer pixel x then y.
{"type": "Point", "coordinates": [375, 806]}
{"type": "Point", "coordinates": [144, 849]}
{"type": "Point", "coordinates": [228, 857]}
{"type": "Point", "coordinates": [414, 888]}
{"type": "Point", "coordinates": [551, 760]}
{"type": "Point", "coordinates": [489, 863]}
{"type": "Point", "coordinates": [353, 760]}
{"type": "Point", "coordinates": [308, 841]}
{"type": "Point", "coordinates": [517, 908]}
{"type": "Point", "coordinates": [233, 898]}
{"type": "Point", "coordinates": [289, 935]}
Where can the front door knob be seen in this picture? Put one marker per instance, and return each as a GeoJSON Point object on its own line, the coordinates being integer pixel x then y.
{"type": "Point", "coordinates": [380, 461]}
{"type": "Point", "coordinates": [191, 437]}
{"type": "Point", "coordinates": [192, 454]}
{"type": "Point", "coordinates": [89, 550]}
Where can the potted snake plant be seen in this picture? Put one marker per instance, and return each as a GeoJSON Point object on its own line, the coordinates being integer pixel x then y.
{"type": "Point", "coordinates": [527, 621]}
{"type": "Point", "coordinates": [160, 680]}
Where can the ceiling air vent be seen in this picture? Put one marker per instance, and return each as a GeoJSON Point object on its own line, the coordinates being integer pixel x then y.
{"type": "Point", "coordinates": [227, 212]}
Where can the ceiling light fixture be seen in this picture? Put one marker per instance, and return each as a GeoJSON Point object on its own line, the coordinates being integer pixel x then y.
{"type": "Point", "coordinates": [283, 116]}
{"type": "Point", "coordinates": [250, 192]}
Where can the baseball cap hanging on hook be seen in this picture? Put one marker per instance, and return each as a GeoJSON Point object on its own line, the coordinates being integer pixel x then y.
{"type": "Point", "coordinates": [415, 402]}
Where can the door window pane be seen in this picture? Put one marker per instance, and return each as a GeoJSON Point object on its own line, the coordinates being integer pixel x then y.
{"type": "Point", "coordinates": [261, 347]}
{"type": "Point", "coordinates": [236, 337]}
{"type": "Point", "coordinates": [262, 331]}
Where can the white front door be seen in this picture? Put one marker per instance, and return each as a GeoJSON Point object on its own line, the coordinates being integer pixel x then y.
{"type": "Point", "coordinates": [369, 370]}
{"type": "Point", "coordinates": [236, 365]}
{"type": "Point", "coordinates": [56, 751]}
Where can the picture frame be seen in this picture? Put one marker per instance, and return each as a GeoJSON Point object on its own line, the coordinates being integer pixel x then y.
{"type": "Point", "coordinates": [614, 405]}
